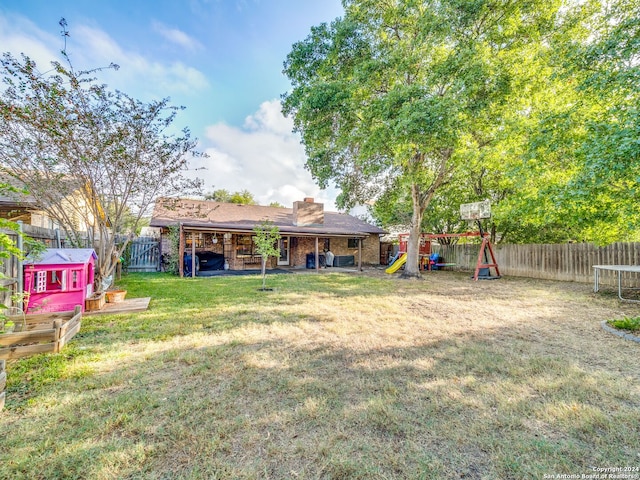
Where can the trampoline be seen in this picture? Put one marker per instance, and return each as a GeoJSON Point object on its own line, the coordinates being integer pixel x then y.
{"type": "Point", "coordinates": [615, 268]}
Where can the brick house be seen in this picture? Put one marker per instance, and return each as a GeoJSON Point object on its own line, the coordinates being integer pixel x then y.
{"type": "Point", "coordinates": [220, 235]}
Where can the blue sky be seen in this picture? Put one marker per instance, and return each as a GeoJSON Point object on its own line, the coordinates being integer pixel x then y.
{"type": "Point", "coordinates": [221, 59]}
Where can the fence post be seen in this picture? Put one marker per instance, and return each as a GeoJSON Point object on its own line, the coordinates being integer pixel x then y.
{"type": "Point", "coordinates": [3, 382]}
{"type": "Point", "coordinates": [19, 273]}
{"type": "Point", "coordinates": [57, 326]}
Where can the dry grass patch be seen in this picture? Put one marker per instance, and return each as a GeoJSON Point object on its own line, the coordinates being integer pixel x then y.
{"type": "Point", "coordinates": [332, 376]}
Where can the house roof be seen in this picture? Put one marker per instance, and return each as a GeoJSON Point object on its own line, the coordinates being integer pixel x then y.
{"type": "Point", "coordinates": [55, 256]}
{"type": "Point", "coordinates": [203, 214]}
{"type": "Point", "coordinates": [24, 201]}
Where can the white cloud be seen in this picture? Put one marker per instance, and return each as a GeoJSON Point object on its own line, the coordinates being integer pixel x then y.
{"type": "Point", "coordinates": [156, 78]}
{"type": "Point", "coordinates": [19, 35]}
{"type": "Point", "coordinates": [177, 37]}
{"type": "Point", "coordinates": [264, 157]}
{"type": "Point", "coordinates": [89, 48]}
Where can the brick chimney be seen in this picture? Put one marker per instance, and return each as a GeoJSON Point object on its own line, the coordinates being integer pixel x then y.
{"type": "Point", "coordinates": [308, 213]}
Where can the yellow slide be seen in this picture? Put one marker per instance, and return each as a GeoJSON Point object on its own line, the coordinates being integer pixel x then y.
{"type": "Point", "coordinates": [395, 266]}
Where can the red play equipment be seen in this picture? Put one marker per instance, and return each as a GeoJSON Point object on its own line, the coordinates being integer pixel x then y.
{"type": "Point", "coordinates": [472, 212]}
{"type": "Point", "coordinates": [485, 253]}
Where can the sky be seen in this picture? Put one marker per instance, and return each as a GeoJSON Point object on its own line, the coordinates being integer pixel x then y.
{"type": "Point", "coordinates": [220, 59]}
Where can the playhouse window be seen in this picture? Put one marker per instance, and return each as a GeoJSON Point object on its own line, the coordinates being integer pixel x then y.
{"type": "Point", "coordinates": [50, 281]}
{"type": "Point", "coordinates": [76, 275]}
{"type": "Point", "coordinates": [40, 282]}
{"type": "Point", "coordinates": [57, 280]}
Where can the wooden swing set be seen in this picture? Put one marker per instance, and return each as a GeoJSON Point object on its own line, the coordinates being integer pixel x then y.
{"type": "Point", "coordinates": [483, 265]}
{"type": "Point", "coordinates": [472, 212]}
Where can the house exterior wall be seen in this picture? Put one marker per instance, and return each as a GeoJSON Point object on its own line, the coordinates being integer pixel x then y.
{"type": "Point", "coordinates": [41, 219]}
{"type": "Point", "coordinates": [370, 249]}
{"type": "Point", "coordinates": [301, 246]}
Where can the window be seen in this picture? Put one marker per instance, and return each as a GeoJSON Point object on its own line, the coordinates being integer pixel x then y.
{"type": "Point", "coordinates": [40, 282]}
{"type": "Point", "coordinates": [245, 245]}
{"type": "Point", "coordinates": [57, 280]}
{"type": "Point", "coordinates": [189, 240]}
{"type": "Point", "coordinates": [352, 243]}
{"type": "Point", "coordinates": [50, 281]}
{"type": "Point", "coordinates": [76, 275]}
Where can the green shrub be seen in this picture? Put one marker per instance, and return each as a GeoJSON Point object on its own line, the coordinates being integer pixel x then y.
{"type": "Point", "coordinates": [631, 324]}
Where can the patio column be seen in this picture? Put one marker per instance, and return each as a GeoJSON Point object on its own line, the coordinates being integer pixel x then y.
{"type": "Point", "coordinates": [360, 254]}
{"type": "Point", "coordinates": [193, 254]}
{"type": "Point", "coordinates": [181, 253]}
{"type": "Point", "coordinates": [227, 249]}
{"type": "Point", "coordinates": [317, 257]}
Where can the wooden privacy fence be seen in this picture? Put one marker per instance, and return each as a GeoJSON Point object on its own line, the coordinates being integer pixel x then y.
{"type": "Point", "coordinates": [144, 255]}
{"type": "Point", "coordinates": [566, 262]}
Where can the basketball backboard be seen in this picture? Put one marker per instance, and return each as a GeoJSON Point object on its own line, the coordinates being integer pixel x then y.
{"type": "Point", "coordinates": [475, 210]}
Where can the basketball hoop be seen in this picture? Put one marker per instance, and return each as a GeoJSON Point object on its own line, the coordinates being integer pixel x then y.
{"type": "Point", "coordinates": [475, 211]}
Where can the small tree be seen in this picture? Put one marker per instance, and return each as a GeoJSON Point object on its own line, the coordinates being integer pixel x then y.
{"type": "Point", "coordinates": [266, 240]}
{"type": "Point", "coordinates": [94, 159]}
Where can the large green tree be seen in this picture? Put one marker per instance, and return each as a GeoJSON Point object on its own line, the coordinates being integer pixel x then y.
{"type": "Point", "coordinates": [392, 95]}
{"type": "Point", "coordinates": [572, 165]}
{"type": "Point", "coordinates": [607, 72]}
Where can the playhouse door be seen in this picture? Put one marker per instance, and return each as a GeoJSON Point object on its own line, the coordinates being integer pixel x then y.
{"type": "Point", "coordinates": [90, 279]}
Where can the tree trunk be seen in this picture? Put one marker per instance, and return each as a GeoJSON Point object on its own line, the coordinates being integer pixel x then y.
{"type": "Point", "coordinates": [411, 267]}
{"type": "Point", "coordinates": [420, 200]}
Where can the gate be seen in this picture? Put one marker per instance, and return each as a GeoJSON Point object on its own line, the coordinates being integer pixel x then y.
{"type": "Point", "coordinates": [145, 255]}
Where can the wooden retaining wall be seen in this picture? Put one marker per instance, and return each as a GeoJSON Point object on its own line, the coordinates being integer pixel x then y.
{"type": "Point", "coordinates": [3, 382]}
{"type": "Point", "coordinates": [44, 333]}
{"type": "Point", "coordinates": [571, 262]}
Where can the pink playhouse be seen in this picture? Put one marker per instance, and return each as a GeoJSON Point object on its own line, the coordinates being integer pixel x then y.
{"type": "Point", "coordinates": [59, 279]}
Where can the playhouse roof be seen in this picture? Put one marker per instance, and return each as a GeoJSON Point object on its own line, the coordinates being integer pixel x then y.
{"type": "Point", "coordinates": [57, 256]}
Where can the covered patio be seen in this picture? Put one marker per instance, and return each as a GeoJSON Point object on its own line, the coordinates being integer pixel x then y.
{"type": "Point", "coordinates": [219, 236]}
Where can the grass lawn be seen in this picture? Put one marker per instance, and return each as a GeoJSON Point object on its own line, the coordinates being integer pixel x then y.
{"type": "Point", "coordinates": [339, 376]}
